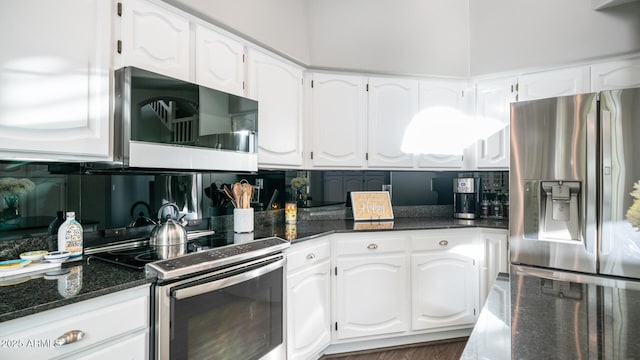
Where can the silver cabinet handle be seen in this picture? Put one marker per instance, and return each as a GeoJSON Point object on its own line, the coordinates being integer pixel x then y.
{"type": "Point", "coordinates": [311, 256]}
{"type": "Point", "coordinates": [443, 243]}
{"type": "Point", "coordinates": [69, 337]}
{"type": "Point", "coordinates": [372, 246]}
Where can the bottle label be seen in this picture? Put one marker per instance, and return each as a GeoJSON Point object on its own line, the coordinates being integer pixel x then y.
{"type": "Point", "coordinates": [73, 239]}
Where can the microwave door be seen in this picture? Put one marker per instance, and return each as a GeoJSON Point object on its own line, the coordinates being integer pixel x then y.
{"type": "Point", "coordinates": [620, 183]}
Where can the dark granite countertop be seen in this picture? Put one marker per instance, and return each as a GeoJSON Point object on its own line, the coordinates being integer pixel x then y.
{"type": "Point", "coordinates": [84, 280]}
{"type": "Point", "coordinates": [305, 230]}
{"type": "Point", "coordinates": [537, 313]}
{"type": "Point", "coordinates": [491, 336]}
{"type": "Point", "coordinates": [99, 278]}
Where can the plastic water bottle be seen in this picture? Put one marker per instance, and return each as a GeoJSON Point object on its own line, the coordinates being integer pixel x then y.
{"type": "Point", "coordinates": [70, 235]}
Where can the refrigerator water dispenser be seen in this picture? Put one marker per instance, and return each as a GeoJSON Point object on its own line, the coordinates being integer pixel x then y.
{"type": "Point", "coordinates": [553, 210]}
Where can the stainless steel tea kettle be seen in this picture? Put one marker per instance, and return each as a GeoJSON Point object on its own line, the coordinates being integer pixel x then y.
{"type": "Point", "coordinates": [169, 238]}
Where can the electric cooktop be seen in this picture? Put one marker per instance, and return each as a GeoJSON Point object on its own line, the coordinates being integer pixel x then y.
{"type": "Point", "coordinates": [139, 256]}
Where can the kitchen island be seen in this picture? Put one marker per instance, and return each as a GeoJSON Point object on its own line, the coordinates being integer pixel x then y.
{"type": "Point", "coordinates": [552, 314]}
{"type": "Point", "coordinates": [491, 336]}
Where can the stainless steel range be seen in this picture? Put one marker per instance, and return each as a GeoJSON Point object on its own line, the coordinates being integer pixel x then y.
{"type": "Point", "coordinates": [222, 302]}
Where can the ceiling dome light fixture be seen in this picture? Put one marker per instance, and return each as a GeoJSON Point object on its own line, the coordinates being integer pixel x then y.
{"type": "Point", "coordinates": [446, 131]}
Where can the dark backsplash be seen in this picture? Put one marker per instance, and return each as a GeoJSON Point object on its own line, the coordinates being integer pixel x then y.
{"type": "Point", "coordinates": [114, 201]}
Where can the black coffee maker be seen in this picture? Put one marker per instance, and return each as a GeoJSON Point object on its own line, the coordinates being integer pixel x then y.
{"type": "Point", "coordinates": [466, 197]}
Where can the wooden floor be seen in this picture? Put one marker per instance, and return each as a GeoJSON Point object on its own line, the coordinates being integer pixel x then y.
{"type": "Point", "coordinates": [437, 350]}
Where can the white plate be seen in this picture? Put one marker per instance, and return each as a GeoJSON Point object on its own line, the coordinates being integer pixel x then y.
{"type": "Point", "coordinates": [34, 255]}
{"type": "Point", "coordinates": [13, 264]}
{"type": "Point", "coordinates": [57, 256]}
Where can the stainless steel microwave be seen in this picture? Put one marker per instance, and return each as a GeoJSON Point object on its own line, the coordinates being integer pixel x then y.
{"type": "Point", "coordinates": [165, 123]}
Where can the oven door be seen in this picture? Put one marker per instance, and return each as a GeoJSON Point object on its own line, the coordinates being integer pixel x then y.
{"type": "Point", "coordinates": [236, 313]}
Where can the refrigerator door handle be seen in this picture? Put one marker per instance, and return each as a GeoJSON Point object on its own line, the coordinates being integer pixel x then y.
{"type": "Point", "coordinates": [591, 191]}
{"type": "Point", "coordinates": [605, 180]}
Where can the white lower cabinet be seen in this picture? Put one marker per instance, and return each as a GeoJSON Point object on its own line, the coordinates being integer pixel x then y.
{"type": "Point", "coordinates": [114, 326]}
{"type": "Point", "coordinates": [385, 288]}
{"type": "Point", "coordinates": [496, 259]}
{"type": "Point", "coordinates": [308, 299]}
{"type": "Point", "coordinates": [131, 347]}
{"type": "Point", "coordinates": [444, 280]}
{"type": "Point", "coordinates": [371, 285]}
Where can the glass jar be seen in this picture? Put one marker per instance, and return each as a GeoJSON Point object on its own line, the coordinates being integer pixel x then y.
{"type": "Point", "coordinates": [496, 208]}
{"type": "Point", "coordinates": [485, 208]}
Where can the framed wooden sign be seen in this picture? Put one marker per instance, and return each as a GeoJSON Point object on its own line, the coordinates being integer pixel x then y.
{"type": "Point", "coordinates": [371, 205]}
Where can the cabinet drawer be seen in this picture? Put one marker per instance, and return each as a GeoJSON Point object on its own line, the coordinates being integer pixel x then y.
{"type": "Point", "coordinates": [307, 253]}
{"type": "Point", "coordinates": [133, 347]}
{"type": "Point", "coordinates": [441, 241]}
{"type": "Point", "coordinates": [370, 244]}
{"type": "Point", "coordinates": [99, 319]}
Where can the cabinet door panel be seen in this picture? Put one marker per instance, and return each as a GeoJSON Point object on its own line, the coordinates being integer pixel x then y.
{"type": "Point", "coordinates": [134, 347]}
{"type": "Point", "coordinates": [392, 105]}
{"type": "Point", "coordinates": [219, 61]}
{"type": "Point", "coordinates": [615, 75]}
{"type": "Point", "coordinates": [309, 308]}
{"type": "Point", "coordinates": [372, 296]}
{"type": "Point", "coordinates": [493, 100]}
{"type": "Point", "coordinates": [338, 120]}
{"type": "Point", "coordinates": [553, 83]}
{"type": "Point", "coordinates": [54, 81]}
{"type": "Point", "coordinates": [444, 289]}
{"type": "Point", "coordinates": [278, 88]}
{"type": "Point", "coordinates": [441, 93]}
{"type": "Point", "coordinates": [155, 39]}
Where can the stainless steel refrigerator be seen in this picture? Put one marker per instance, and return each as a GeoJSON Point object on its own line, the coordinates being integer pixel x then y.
{"type": "Point", "coordinates": [574, 225]}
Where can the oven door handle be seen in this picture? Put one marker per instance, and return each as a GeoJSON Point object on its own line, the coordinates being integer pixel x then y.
{"type": "Point", "coordinates": [259, 269]}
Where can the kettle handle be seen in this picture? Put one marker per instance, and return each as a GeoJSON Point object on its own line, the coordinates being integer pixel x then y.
{"type": "Point", "coordinates": [173, 205]}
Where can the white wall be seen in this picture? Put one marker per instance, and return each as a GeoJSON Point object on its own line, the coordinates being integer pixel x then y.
{"type": "Point", "coordinates": [523, 34]}
{"type": "Point", "coordinates": [456, 38]}
{"type": "Point", "coordinates": [396, 36]}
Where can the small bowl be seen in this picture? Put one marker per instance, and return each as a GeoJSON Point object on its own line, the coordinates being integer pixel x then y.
{"type": "Point", "coordinates": [34, 256]}
{"type": "Point", "coordinates": [13, 264]}
{"type": "Point", "coordinates": [57, 256]}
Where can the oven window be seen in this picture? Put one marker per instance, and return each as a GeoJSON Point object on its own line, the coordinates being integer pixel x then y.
{"type": "Point", "coordinates": [241, 321]}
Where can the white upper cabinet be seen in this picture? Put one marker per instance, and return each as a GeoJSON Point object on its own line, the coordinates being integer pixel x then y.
{"type": "Point", "coordinates": [337, 120]}
{"type": "Point", "coordinates": [615, 75]}
{"type": "Point", "coordinates": [441, 93]}
{"type": "Point", "coordinates": [493, 100]}
{"type": "Point", "coordinates": [219, 61]}
{"type": "Point", "coordinates": [392, 104]}
{"type": "Point", "coordinates": [277, 85]}
{"type": "Point", "coordinates": [155, 38]}
{"type": "Point", "coordinates": [553, 83]}
{"type": "Point", "coordinates": [54, 80]}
